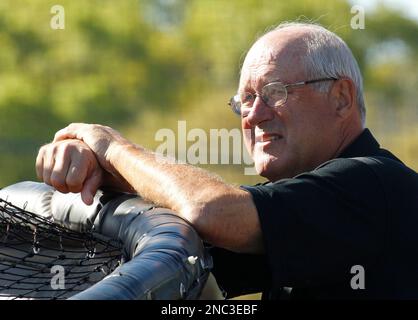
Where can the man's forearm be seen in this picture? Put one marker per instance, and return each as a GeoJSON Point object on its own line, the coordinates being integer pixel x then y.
{"type": "Point", "coordinates": [222, 214]}
{"type": "Point", "coordinates": [117, 183]}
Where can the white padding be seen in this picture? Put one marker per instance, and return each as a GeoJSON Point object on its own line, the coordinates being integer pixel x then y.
{"type": "Point", "coordinates": [66, 209]}
{"type": "Point", "coordinates": [71, 212]}
{"type": "Point", "coordinates": [30, 196]}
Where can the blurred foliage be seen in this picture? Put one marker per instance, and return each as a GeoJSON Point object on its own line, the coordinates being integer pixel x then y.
{"type": "Point", "coordinates": [144, 65]}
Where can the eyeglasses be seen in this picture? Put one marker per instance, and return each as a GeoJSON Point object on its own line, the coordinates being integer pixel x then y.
{"type": "Point", "coordinates": [273, 94]}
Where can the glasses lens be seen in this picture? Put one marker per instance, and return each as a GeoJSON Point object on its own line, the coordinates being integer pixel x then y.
{"type": "Point", "coordinates": [274, 94]}
{"type": "Point", "coordinates": [235, 104]}
{"type": "Point", "coordinates": [247, 99]}
{"type": "Point", "coordinates": [246, 102]}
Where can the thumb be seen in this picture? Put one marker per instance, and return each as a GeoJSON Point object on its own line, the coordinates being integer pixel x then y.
{"type": "Point", "coordinates": [72, 131]}
{"type": "Point", "coordinates": [90, 187]}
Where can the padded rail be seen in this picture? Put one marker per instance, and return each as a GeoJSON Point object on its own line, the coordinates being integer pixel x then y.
{"type": "Point", "coordinates": [164, 256]}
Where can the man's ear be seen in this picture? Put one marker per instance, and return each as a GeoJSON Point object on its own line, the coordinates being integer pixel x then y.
{"type": "Point", "coordinates": [343, 95]}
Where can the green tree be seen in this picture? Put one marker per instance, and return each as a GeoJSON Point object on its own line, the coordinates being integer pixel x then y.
{"type": "Point", "coordinates": [143, 65]}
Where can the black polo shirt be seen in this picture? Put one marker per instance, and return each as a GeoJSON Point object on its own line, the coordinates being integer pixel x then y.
{"type": "Point", "coordinates": [348, 229]}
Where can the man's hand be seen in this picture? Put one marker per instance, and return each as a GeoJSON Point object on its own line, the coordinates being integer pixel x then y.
{"type": "Point", "coordinates": [102, 140]}
{"type": "Point", "coordinates": [70, 166]}
{"type": "Point", "coordinates": [223, 215]}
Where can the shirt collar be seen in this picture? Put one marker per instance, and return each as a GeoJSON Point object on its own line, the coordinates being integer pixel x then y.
{"type": "Point", "coordinates": [364, 145]}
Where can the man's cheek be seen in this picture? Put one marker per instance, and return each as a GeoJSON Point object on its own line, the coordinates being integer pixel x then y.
{"type": "Point", "coordinates": [249, 140]}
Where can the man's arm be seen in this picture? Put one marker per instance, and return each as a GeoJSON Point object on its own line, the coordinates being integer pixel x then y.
{"type": "Point", "coordinates": [223, 215]}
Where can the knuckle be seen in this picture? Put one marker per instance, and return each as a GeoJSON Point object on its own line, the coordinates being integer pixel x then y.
{"type": "Point", "coordinates": [74, 181]}
{"type": "Point", "coordinates": [44, 149]}
{"type": "Point", "coordinates": [68, 147]}
{"type": "Point", "coordinates": [98, 127]}
{"type": "Point", "coordinates": [53, 148]}
{"type": "Point", "coordinates": [57, 181]}
{"type": "Point", "coordinates": [65, 147]}
{"type": "Point", "coordinates": [85, 153]}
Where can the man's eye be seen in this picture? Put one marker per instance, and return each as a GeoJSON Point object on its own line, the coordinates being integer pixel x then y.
{"type": "Point", "coordinates": [247, 98]}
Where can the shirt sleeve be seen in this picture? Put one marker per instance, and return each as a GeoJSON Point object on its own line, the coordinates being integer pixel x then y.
{"type": "Point", "coordinates": [320, 224]}
{"type": "Point", "coordinates": [240, 273]}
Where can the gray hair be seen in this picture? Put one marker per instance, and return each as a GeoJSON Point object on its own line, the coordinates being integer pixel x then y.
{"type": "Point", "coordinates": [328, 56]}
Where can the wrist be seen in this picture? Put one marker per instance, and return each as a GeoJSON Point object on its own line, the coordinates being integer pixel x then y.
{"type": "Point", "coordinates": [118, 153]}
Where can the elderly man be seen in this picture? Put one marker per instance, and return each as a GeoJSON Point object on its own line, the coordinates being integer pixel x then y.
{"type": "Point", "coordinates": [338, 217]}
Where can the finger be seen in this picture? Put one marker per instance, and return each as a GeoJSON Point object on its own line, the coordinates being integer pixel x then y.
{"type": "Point", "coordinates": [48, 163]}
{"type": "Point", "coordinates": [76, 175]}
{"type": "Point", "coordinates": [91, 185]}
{"type": "Point", "coordinates": [82, 164]}
{"type": "Point", "coordinates": [71, 131]}
{"type": "Point", "coordinates": [60, 171]}
{"type": "Point", "coordinates": [40, 163]}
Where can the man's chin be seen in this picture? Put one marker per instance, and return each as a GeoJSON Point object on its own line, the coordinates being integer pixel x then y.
{"type": "Point", "coordinates": [272, 170]}
{"type": "Point", "coordinates": [267, 171]}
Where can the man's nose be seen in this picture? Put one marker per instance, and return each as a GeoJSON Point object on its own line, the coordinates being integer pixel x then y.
{"type": "Point", "coordinates": [259, 112]}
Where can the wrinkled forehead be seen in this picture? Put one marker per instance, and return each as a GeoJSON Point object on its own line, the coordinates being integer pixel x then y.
{"type": "Point", "coordinates": [271, 59]}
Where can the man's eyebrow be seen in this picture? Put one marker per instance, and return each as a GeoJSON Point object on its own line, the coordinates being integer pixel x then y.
{"type": "Point", "coordinates": [250, 88]}
{"type": "Point", "coordinates": [272, 77]}
{"type": "Point", "coordinates": [252, 84]}
{"type": "Point", "coordinates": [274, 80]}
